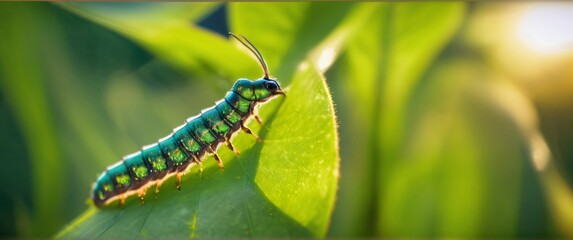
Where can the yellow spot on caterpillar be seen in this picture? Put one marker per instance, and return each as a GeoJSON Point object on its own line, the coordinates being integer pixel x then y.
{"type": "Point", "coordinates": [140, 172]}
{"type": "Point", "coordinates": [123, 179]}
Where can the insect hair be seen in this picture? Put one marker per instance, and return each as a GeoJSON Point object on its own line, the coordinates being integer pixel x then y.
{"type": "Point", "coordinates": [255, 51]}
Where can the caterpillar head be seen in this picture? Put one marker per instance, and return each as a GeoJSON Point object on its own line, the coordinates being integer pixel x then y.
{"type": "Point", "coordinates": [262, 89]}
{"type": "Point", "coordinates": [259, 90]}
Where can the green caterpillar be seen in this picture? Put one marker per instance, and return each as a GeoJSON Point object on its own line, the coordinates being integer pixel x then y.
{"type": "Point", "coordinates": [189, 143]}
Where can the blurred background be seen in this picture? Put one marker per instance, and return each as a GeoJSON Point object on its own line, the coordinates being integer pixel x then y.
{"type": "Point", "coordinates": [454, 118]}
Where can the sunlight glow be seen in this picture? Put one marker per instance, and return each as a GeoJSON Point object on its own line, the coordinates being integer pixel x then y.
{"type": "Point", "coordinates": [547, 27]}
{"type": "Point", "coordinates": [540, 153]}
{"type": "Point", "coordinates": [326, 58]}
{"type": "Point", "coordinates": [521, 110]}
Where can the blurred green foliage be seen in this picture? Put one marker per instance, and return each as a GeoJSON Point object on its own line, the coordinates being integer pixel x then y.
{"type": "Point", "coordinates": [436, 138]}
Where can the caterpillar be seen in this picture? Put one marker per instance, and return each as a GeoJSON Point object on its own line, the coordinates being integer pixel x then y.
{"type": "Point", "coordinates": [190, 143]}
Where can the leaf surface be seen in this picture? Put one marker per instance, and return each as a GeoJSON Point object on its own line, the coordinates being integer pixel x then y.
{"type": "Point", "coordinates": [284, 186]}
{"type": "Point", "coordinates": [384, 63]}
{"type": "Point", "coordinates": [168, 31]}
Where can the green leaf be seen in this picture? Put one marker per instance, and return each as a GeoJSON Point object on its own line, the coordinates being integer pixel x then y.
{"type": "Point", "coordinates": [407, 45]}
{"type": "Point", "coordinates": [22, 85]}
{"type": "Point", "coordinates": [279, 22]}
{"type": "Point", "coordinates": [385, 62]}
{"type": "Point", "coordinates": [168, 32]}
{"type": "Point", "coordinates": [289, 31]}
{"type": "Point", "coordinates": [284, 186]}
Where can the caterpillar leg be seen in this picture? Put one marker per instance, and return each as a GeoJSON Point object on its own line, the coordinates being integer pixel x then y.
{"type": "Point", "coordinates": [178, 175]}
{"type": "Point", "coordinates": [258, 118]}
{"type": "Point", "coordinates": [254, 111]}
{"type": "Point", "coordinates": [217, 158]}
{"type": "Point", "coordinates": [196, 160]}
{"type": "Point", "coordinates": [247, 130]}
{"type": "Point", "coordinates": [230, 145]}
{"type": "Point", "coordinates": [141, 195]}
{"type": "Point", "coordinates": [157, 186]}
{"type": "Point", "coordinates": [121, 200]}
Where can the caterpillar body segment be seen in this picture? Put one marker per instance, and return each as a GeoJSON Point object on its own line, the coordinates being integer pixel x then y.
{"type": "Point", "coordinates": [189, 144]}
